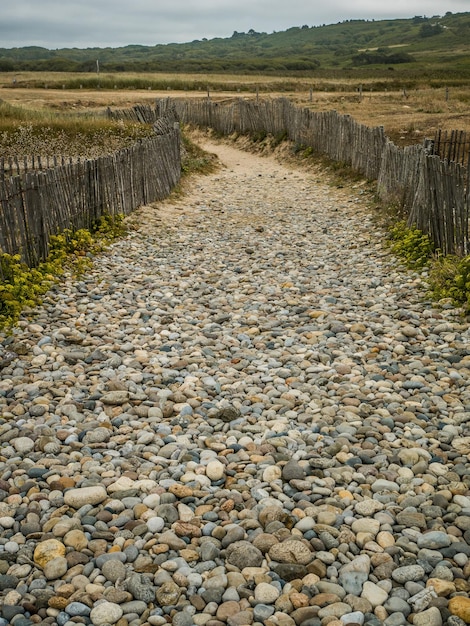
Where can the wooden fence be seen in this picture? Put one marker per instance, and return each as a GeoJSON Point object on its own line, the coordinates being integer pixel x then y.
{"type": "Point", "coordinates": [162, 115]}
{"type": "Point", "coordinates": [433, 194]}
{"type": "Point", "coordinates": [12, 166]}
{"type": "Point", "coordinates": [37, 204]}
{"type": "Point", "coordinates": [453, 146]}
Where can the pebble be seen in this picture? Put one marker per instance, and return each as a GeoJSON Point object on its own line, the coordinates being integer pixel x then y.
{"type": "Point", "coordinates": [429, 617]}
{"type": "Point", "coordinates": [105, 613]}
{"type": "Point", "coordinates": [77, 498]}
{"type": "Point", "coordinates": [246, 412]}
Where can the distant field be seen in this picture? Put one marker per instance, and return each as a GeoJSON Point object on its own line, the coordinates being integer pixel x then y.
{"type": "Point", "coordinates": [407, 113]}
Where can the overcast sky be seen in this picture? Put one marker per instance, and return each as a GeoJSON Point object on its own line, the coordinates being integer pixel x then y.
{"type": "Point", "coordinates": [89, 23]}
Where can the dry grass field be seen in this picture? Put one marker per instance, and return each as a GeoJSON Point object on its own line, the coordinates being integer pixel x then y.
{"type": "Point", "coordinates": [407, 117]}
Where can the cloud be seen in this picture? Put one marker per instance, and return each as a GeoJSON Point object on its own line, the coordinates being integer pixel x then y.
{"type": "Point", "coordinates": [103, 23]}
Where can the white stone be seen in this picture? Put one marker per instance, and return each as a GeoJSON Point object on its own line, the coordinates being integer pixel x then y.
{"type": "Point", "coordinates": [105, 613]}
{"type": "Point", "coordinates": [39, 360]}
{"type": "Point", "coordinates": [86, 495]}
{"type": "Point", "coordinates": [55, 568]}
{"type": "Point", "coordinates": [6, 522]}
{"type": "Point", "coordinates": [144, 485]}
{"type": "Point", "coordinates": [353, 618]}
{"type": "Point", "coordinates": [366, 525]}
{"type": "Point", "coordinates": [266, 593]}
{"type": "Point", "coordinates": [155, 524]}
{"type": "Point", "coordinates": [360, 563]}
{"type": "Point", "coordinates": [368, 507]}
{"type": "Point", "coordinates": [185, 512]}
{"type": "Point", "coordinates": [429, 617]}
{"type": "Point", "coordinates": [152, 500]}
{"type": "Point", "coordinates": [273, 472]}
{"type": "Point", "coordinates": [215, 470]}
{"type": "Point", "coordinates": [123, 483]}
{"type": "Point", "coordinates": [374, 594]}
{"type": "Point", "coordinates": [23, 445]}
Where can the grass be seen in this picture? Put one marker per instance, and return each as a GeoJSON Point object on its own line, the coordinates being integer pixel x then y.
{"type": "Point", "coordinates": [195, 160]}
{"type": "Point", "coordinates": [408, 119]}
{"type": "Point", "coordinates": [40, 132]}
{"type": "Point", "coordinates": [152, 81]}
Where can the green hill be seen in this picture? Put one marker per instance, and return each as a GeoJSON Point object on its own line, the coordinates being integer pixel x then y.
{"type": "Point", "coordinates": [431, 45]}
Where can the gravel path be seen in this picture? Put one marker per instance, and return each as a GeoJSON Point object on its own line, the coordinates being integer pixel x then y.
{"type": "Point", "coordinates": [244, 414]}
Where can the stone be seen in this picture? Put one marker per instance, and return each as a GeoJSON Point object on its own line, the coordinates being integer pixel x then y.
{"type": "Point", "coordinates": [293, 471]}
{"type": "Point", "coordinates": [434, 540]}
{"type": "Point", "coordinates": [141, 587]}
{"type": "Point", "coordinates": [366, 525]}
{"type": "Point", "coordinates": [7, 581]}
{"type": "Point", "coordinates": [395, 604]}
{"type": "Point", "coordinates": [155, 524]}
{"type": "Point", "coordinates": [105, 613]}
{"type": "Point", "coordinates": [79, 497]}
{"type": "Point", "coordinates": [352, 581]}
{"type": "Point", "coordinates": [290, 571]}
{"type": "Point", "coordinates": [23, 445]}
{"type": "Point", "coordinates": [266, 593]}
{"type": "Point", "coordinates": [356, 617]}
{"type": "Point", "coordinates": [460, 606]}
{"type": "Point", "coordinates": [76, 539]}
{"type": "Point", "coordinates": [428, 617]}
{"type": "Point", "coordinates": [168, 593]}
{"type": "Point", "coordinates": [123, 483]}
{"type": "Point", "coordinates": [172, 540]}
{"type": "Point", "coordinates": [291, 551]}
{"type": "Point", "coordinates": [443, 588]}
{"type": "Point", "coordinates": [182, 618]}
{"type": "Point", "coordinates": [243, 618]}
{"type": "Point", "coordinates": [134, 606]}
{"type": "Point", "coordinates": [411, 518]}
{"type": "Point", "coordinates": [408, 572]}
{"type": "Point", "coordinates": [117, 397]}
{"type": "Point", "coordinates": [227, 610]}
{"type": "Point", "coordinates": [48, 550]}
{"type": "Point", "coordinates": [337, 609]}
{"type": "Point", "coordinates": [262, 612]}
{"type": "Point", "coordinates": [422, 599]}
{"type": "Point", "coordinates": [114, 570]}
{"type": "Point", "coordinates": [383, 485]}
{"type": "Point", "coordinates": [55, 568]}
{"type": "Point", "coordinates": [243, 554]}
{"type": "Point", "coordinates": [215, 470]}
{"type": "Point", "coordinates": [271, 473]}
{"type": "Point", "coordinates": [374, 594]}
{"type": "Point", "coordinates": [243, 412]}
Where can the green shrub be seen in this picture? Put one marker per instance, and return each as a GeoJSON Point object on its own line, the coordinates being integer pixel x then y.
{"type": "Point", "coordinates": [450, 278]}
{"type": "Point", "coordinates": [22, 286]}
{"type": "Point", "coordinates": [410, 244]}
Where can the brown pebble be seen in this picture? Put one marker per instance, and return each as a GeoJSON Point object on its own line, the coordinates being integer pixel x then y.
{"type": "Point", "coordinates": [76, 558]}
{"type": "Point", "coordinates": [324, 599]}
{"type": "Point", "coordinates": [58, 603]}
{"type": "Point", "coordinates": [104, 516]}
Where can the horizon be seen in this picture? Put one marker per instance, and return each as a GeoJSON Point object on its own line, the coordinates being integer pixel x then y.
{"type": "Point", "coordinates": [101, 24]}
